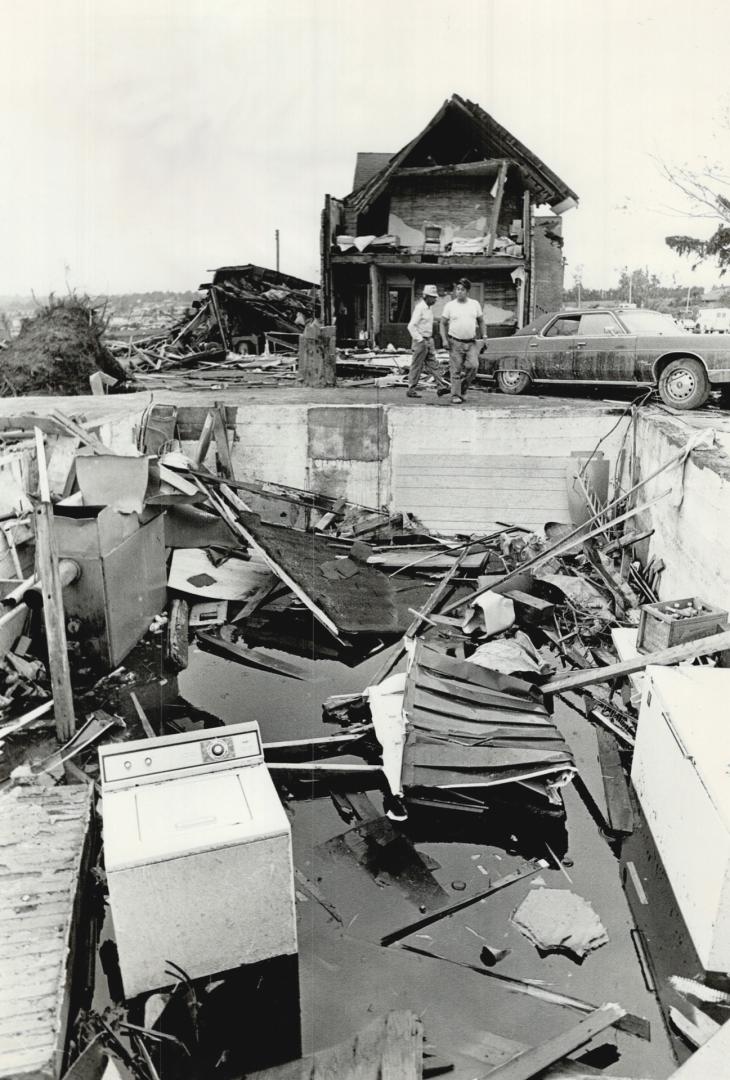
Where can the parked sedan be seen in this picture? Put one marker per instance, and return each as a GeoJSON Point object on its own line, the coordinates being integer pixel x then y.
{"type": "Point", "coordinates": [626, 346]}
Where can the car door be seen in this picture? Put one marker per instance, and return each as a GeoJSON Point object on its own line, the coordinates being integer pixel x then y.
{"type": "Point", "coordinates": [551, 351]}
{"type": "Point", "coordinates": [604, 351]}
{"type": "Point", "coordinates": [504, 354]}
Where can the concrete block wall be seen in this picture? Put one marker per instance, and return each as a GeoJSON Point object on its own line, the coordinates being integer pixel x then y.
{"type": "Point", "coordinates": [692, 537]}
{"type": "Point", "coordinates": [418, 459]}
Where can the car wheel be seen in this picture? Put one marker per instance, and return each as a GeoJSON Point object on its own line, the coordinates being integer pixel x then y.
{"type": "Point", "coordinates": [512, 382]}
{"type": "Point", "coordinates": [684, 384]}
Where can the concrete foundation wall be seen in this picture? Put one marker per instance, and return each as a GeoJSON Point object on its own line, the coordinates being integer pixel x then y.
{"type": "Point", "coordinates": [691, 535]}
{"type": "Point", "coordinates": [454, 468]}
{"type": "Point", "coordinates": [459, 469]}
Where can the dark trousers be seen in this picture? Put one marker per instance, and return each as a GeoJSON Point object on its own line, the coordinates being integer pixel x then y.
{"type": "Point", "coordinates": [463, 365]}
{"type": "Point", "coordinates": [424, 359]}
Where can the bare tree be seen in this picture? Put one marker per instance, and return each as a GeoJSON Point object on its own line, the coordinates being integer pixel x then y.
{"type": "Point", "coordinates": [707, 189]}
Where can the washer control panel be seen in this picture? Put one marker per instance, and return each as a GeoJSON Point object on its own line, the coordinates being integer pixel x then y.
{"type": "Point", "coordinates": [175, 754]}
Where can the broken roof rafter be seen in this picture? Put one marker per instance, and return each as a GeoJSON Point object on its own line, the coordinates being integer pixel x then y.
{"type": "Point", "coordinates": [542, 182]}
{"type": "Point", "coordinates": [483, 167]}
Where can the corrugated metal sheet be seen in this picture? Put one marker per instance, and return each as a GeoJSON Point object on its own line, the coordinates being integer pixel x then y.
{"type": "Point", "coordinates": [468, 492]}
{"type": "Point", "coordinates": [42, 838]}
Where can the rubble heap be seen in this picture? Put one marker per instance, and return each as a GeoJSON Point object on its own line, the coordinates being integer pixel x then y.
{"type": "Point", "coordinates": [57, 350]}
{"type": "Point", "coordinates": [241, 309]}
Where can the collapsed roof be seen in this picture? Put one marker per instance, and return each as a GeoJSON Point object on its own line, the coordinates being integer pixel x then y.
{"type": "Point", "coordinates": [461, 133]}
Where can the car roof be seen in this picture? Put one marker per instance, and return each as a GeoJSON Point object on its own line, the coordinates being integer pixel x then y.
{"type": "Point", "coordinates": [613, 309]}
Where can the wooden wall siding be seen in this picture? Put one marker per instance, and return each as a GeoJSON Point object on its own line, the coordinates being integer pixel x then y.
{"type": "Point", "coordinates": [43, 835]}
{"type": "Point", "coordinates": [467, 493]}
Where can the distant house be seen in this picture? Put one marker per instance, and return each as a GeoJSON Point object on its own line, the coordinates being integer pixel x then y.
{"type": "Point", "coordinates": [459, 200]}
{"type": "Point", "coordinates": [714, 298]}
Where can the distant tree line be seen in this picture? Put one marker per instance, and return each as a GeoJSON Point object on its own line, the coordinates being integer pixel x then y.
{"type": "Point", "coordinates": [643, 288]}
{"type": "Point", "coordinates": [117, 301]}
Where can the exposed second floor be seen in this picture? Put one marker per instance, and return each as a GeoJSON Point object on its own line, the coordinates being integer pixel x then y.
{"type": "Point", "coordinates": [464, 189]}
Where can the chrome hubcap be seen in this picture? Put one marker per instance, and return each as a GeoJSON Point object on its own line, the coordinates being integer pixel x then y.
{"type": "Point", "coordinates": [681, 384]}
{"type": "Point", "coordinates": [511, 378]}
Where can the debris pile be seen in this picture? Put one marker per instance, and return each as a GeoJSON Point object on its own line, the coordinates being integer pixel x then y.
{"type": "Point", "coordinates": [469, 737]}
{"type": "Point", "coordinates": [58, 350]}
{"type": "Point", "coordinates": [247, 315]}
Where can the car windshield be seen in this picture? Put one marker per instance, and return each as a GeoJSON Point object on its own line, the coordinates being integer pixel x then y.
{"type": "Point", "coordinates": [648, 322]}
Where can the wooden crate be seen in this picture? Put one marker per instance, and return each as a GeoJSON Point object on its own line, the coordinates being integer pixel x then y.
{"type": "Point", "coordinates": [658, 629]}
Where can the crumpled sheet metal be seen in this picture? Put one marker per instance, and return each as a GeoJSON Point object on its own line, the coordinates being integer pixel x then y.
{"type": "Point", "coordinates": [557, 920]}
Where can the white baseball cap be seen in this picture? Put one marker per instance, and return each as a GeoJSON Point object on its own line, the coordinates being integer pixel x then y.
{"type": "Point", "coordinates": [430, 290]}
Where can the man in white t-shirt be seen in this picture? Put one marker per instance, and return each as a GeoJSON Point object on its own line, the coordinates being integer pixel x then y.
{"type": "Point", "coordinates": [462, 323]}
{"type": "Point", "coordinates": [424, 355]}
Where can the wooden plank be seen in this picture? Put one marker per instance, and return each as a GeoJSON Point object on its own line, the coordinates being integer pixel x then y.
{"type": "Point", "coordinates": [206, 435]}
{"type": "Point", "coordinates": [176, 639]}
{"type": "Point", "coordinates": [146, 725]}
{"type": "Point", "coordinates": [688, 650]}
{"type": "Point", "coordinates": [530, 610]}
{"type": "Point", "coordinates": [501, 883]}
{"type": "Point", "coordinates": [251, 657]}
{"type": "Point", "coordinates": [629, 1022]}
{"type": "Point", "coordinates": [223, 450]}
{"type": "Point", "coordinates": [618, 800]}
{"type": "Point", "coordinates": [497, 207]}
{"type": "Point", "coordinates": [532, 1062]}
{"type": "Point", "coordinates": [391, 1048]}
{"type": "Point", "coordinates": [53, 615]}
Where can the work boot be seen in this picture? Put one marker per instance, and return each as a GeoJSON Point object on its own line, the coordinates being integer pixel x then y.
{"type": "Point", "coordinates": [412, 393]}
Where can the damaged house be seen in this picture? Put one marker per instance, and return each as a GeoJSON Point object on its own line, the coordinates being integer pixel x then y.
{"type": "Point", "coordinates": [463, 198]}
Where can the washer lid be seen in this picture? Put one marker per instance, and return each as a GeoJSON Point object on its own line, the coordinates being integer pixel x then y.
{"type": "Point", "coordinates": [179, 817]}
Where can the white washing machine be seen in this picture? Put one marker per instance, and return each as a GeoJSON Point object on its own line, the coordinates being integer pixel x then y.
{"type": "Point", "coordinates": [681, 775]}
{"type": "Point", "coordinates": [198, 855]}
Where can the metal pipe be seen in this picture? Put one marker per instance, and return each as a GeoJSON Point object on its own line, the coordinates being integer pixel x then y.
{"type": "Point", "coordinates": [13, 598]}
{"type": "Point", "coordinates": [68, 571]}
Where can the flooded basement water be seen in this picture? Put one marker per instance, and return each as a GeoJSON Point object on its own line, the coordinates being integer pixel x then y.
{"type": "Point", "coordinates": [347, 978]}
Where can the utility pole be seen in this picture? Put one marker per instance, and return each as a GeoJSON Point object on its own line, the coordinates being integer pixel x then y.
{"type": "Point", "coordinates": [276, 234]}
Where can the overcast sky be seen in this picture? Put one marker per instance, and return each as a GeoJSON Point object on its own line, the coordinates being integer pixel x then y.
{"type": "Point", "coordinates": [147, 141]}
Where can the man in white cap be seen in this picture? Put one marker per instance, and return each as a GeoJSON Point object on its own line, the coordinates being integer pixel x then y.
{"type": "Point", "coordinates": [424, 354]}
